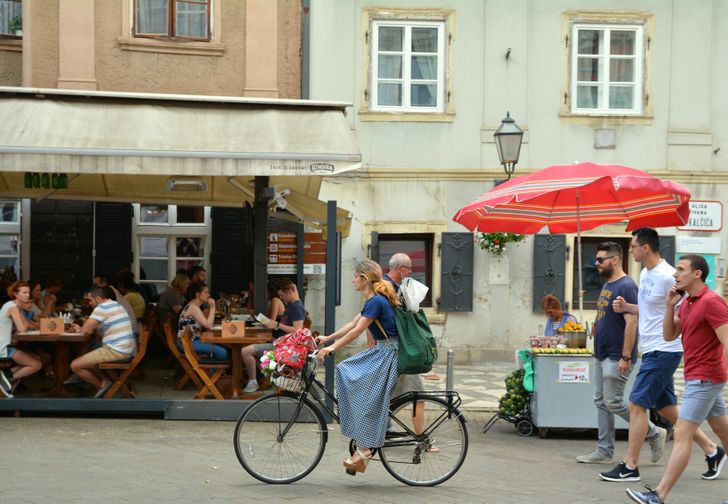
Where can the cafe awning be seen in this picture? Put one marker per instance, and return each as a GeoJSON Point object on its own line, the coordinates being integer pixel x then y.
{"type": "Point", "coordinates": [144, 147]}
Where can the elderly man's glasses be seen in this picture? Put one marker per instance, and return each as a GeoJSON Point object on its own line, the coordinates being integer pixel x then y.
{"type": "Point", "coordinates": [406, 267]}
{"type": "Point", "coordinates": [600, 260]}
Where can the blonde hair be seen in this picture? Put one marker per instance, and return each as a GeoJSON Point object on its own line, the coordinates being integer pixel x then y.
{"type": "Point", "coordinates": [373, 273]}
{"type": "Point", "coordinates": [179, 280]}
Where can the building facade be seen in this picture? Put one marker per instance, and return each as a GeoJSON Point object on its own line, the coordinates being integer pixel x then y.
{"type": "Point", "coordinates": [611, 82]}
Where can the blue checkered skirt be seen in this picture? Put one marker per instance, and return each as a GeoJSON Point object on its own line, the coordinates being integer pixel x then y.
{"type": "Point", "coordinates": [364, 385]}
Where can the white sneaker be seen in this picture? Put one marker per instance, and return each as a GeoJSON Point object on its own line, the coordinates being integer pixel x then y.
{"type": "Point", "coordinates": [5, 387]}
{"type": "Point", "coordinates": [657, 445]}
{"type": "Point", "coordinates": [252, 386]}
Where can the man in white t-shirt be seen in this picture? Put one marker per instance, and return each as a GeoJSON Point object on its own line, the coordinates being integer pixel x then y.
{"type": "Point", "coordinates": [653, 386]}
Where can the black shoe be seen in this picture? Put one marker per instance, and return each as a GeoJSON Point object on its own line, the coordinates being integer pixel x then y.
{"type": "Point", "coordinates": [621, 473]}
{"type": "Point", "coordinates": [649, 497]}
{"type": "Point", "coordinates": [715, 464]}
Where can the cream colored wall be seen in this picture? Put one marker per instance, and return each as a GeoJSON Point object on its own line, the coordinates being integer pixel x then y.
{"type": "Point", "coordinates": [443, 166]}
{"type": "Point", "coordinates": [11, 68]}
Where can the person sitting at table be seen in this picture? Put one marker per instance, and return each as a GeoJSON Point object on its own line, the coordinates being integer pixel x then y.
{"type": "Point", "coordinates": [290, 321]}
{"type": "Point", "coordinates": [556, 317]}
{"type": "Point", "coordinates": [49, 296]}
{"type": "Point", "coordinates": [25, 363]}
{"type": "Point", "coordinates": [102, 280]}
{"type": "Point", "coordinates": [172, 300]}
{"type": "Point", "coordinates": [126, 285]}
{"type": "Point", "coordinates": [193, 317]}
{"type": "Point", "coordinates": [112, 323]}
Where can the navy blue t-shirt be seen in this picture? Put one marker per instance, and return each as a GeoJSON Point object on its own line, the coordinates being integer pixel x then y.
{"type": "Point", "coordinates": [377, 307]}
{"type": "Point", "coordinates": [394, 284]}
{"type": "Point", "coordinates": [609, 325]}
{"type": "Point", "coordinates": [292, 312]}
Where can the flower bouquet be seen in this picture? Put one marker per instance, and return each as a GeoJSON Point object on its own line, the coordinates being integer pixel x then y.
{"type": "Point", "coordinates": [268, 363]}
{"type": "Point", "coordinates": [282, 376]}
{"type": "Point", "coordinates": [495, 243]}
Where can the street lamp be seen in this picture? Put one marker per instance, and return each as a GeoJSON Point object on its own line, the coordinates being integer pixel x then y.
{"type": "Point", "coordinates": [508, 139]}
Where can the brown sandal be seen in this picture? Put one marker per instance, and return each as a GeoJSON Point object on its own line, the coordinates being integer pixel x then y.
{"type": "Point", "coordinates": [354, 466]}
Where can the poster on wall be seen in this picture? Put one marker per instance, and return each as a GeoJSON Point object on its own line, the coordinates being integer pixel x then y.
{"type": "Point", "coordinates": [573, 372]}
{"type": "Point", "coordinates": [282, 250]}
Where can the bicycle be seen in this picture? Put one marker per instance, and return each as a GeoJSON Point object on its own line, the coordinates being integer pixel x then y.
{"type": "Point", "coordinates": [280, 438]}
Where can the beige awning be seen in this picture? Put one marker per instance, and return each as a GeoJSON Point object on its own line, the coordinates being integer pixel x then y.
{"type": "Point", "coordinates": [180, 149]}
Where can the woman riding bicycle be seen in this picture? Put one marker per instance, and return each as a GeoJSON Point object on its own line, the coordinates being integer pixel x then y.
{"type": "Point", "coordinates": [365, 381]}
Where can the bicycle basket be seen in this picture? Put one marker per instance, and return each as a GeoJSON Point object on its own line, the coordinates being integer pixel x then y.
{"type": "Point", "coordinates": [294, 384]}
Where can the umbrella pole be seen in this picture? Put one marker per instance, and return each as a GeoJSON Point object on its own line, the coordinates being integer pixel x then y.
{"type": "Point", "coordinates": [578, 247]}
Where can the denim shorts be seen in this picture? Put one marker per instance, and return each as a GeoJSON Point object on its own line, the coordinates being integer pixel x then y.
{"type": "Point", "coordinates": [702, 400]}
{"type": "Point", "coordinates": [11, 351]}
{"type": "Point", "coordinates": [653, 387]}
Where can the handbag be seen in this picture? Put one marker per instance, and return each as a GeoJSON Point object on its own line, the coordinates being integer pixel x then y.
{"type": "Point", "coordinates": [417, 347]}
{"type": "Point", "coordinates": [293, 349]}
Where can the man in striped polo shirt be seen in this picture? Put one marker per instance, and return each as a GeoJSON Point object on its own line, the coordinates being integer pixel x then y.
{"type": "Point", "coordinates": [112, 322]}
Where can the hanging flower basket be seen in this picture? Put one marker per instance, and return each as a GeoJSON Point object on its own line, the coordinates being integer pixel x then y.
{"type": "Point", "coordinates": [495, 243]}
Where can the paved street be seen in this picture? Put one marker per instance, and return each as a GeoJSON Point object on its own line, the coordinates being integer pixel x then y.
{"type": "Point", "coordinates": [81, 460]}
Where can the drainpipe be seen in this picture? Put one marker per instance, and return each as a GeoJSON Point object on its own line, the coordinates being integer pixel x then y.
{"type": "Point", "coordinates": [305, 47]}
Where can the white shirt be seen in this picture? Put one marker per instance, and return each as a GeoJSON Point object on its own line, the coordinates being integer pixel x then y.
{"type": "Point", "coordinates": [654, 286]}
{"type": "Point", "coordinates": [6, 327]}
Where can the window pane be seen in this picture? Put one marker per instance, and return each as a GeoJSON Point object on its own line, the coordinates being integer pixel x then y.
{"type": "Point", "coordinates": [424, 95]}
{"type": "Point", "coordinates": [154, 246]}
{"type": "Point", "coordinates": [11, 12]}
{"type": "Point", "coordinates": [191, 20]}
{"type": "Point", "coordinates": [424, 67]}
{"type": "Point", "coordinates": [622, 42]}
{"type": "Point", "coordinates": [621, 70]}
{"type": "Point", "coordinates": [590, 41]}
{"type": "Point", "coordinates": [621, 97]}
{"type": "Point", "coordinates": [152, 17]}
{"type": "Point", "coordinates": [187, 264]}
{"type": "Point", "coordinates": [154, 213]}
{"type": "Point", "coordinates": [154, 269]}
{"type": "Point", "coordinates": [390, 66]}
{"type": "Point", "coordinates": [419, 251]}
{"type": "Point", "coordinates": [587, 96]}
{"type": "Point", "coordinates": [424, 40]}
{"type": "Point", "coordinates": [391, 38]}
{"type": "Point", "coordinates": [189, 247]}
{"type": "Point", "coordinates": [190, 215]}
{"type": "Point", "coordinates": [9, 245]}
{"type": "Point", "coordinates": [588, 69]}
{"type": "Point", "coordinates": [9, 268]}
{"type": "Point", "coordinates": [389, 94]}
{"type": "Point", "coordinates": [9, 211]}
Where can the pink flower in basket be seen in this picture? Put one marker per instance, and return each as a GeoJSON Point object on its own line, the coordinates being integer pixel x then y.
{"type": "Point", "coordinates": [268, 363]}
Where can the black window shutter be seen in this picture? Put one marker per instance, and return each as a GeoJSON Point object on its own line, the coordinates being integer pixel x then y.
{"type": "Point", "coordinates": [113, 238]}
{"type": "Point", "coordinates": [374, 247]}
{"type": "Point", "coordinates": [231, 256]}
{"type": "Point", "coordinates": [667, 249]}
{"type": "Point", "coordinates": [549, 265]}
{"type": "Point", "coordinates": [456, 280]}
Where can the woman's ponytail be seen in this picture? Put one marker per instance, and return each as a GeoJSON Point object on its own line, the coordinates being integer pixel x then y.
{"type": "Point", "coordinates": [385, 289]}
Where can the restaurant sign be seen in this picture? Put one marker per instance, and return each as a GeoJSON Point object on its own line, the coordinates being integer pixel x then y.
{"type": "Point", "coordinates": [283, 253]}
{"type": "Point", "coordinates": [573, 372]}
{"type": "Point", "coordinates": [704, 216]}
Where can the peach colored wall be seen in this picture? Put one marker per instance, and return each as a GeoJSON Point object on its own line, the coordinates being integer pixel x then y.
{"type": "Point", "coordinates": [289, 48]}
{"type": "Point", "coordinates": [11, 68]}
{"type": "Point", "coordinates": [44, 44]}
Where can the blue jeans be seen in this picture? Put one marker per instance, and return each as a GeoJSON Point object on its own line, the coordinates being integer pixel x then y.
{"type": "Point", "coordinates": [208, 349]}
{"type": "Point", "coordinates": [609, 384]}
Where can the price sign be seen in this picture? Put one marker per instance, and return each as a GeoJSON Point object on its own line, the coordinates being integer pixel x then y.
{"type": "Point", "coordinates": [573, 372]}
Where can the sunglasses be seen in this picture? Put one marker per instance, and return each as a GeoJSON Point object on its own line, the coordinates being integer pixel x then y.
{"type": "Point", "coordinates": [600, 260]}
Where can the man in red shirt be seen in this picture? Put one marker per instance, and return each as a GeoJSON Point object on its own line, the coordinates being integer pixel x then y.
{"type": "Point", "coordinates": [702, 319]}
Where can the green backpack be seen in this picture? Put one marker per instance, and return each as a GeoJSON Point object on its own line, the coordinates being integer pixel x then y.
{"type": "Point", "coordinates": [417, 347]}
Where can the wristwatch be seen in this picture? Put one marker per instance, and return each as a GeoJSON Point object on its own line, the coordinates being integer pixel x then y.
{"type": "Point", "coordinates": [278, 325]}
{"type": "Point", "coordinates": [626, 358]}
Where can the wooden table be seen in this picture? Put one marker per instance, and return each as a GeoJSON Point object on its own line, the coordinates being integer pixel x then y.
{"type": "Point", "coordinates": [253, 336]}
{"type": "Point", "coordinates": [61, 364]}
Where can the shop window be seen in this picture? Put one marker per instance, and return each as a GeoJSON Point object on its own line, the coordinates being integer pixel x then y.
{"type": "Point", "coordinates": [11, 18]}
{"type": "Point", "coordinates": [607, 69]}
{"type": "Point", "coordinates": [418, 247]}
{"type": "Point", "coordinates": [172, 18]}
{"type": "Point", "coordinates": [9, 240]}
{"type": "Point", "coordinates": [591, 280]}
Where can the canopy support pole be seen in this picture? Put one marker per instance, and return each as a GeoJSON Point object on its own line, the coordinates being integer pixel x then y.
{"type": "Point", "coordinates": [330, 306]}
{"type": "Point", "coordinates": [260, 241]}
{"type": "Point", "coordinates": [578, 248]}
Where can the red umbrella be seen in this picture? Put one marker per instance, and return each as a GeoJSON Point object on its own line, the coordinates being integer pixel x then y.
{"type": "Point", "coordinates": [572, 198]}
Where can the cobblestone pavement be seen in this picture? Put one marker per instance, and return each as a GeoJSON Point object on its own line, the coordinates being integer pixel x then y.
{"type": "Point", "coordinates": [92, 460]}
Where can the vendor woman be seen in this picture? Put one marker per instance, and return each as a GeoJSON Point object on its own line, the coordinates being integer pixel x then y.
{"type": "Point", "coordinates": [556, 317]}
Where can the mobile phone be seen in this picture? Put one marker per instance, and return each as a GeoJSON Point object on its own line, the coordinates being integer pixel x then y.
{"type": "Point", "coordinates": [681, 292]}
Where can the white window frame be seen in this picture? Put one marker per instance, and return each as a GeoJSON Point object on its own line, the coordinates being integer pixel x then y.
{"type": "Point", "coordinates": [639, 72]}
{"type": "Point", "coordinates": [171, 230]}
{"type": "Point", "coordinates": [13, 229]}
{"type": "Point", "coordinates": [406, 66]}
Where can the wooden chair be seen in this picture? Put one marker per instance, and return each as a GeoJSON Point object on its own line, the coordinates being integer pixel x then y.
{"type": "Point", "coordinates": [119, 372]}
{"type": "Point", "coordinates": [202, 368]}
{"type": "Point", "coordinates": [189, 373]}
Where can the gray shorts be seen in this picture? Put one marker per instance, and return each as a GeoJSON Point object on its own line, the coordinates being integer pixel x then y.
{"type": "Point", "coordinates": [261, 348]}
{"type": "Point", "coordinates": [702, 400]}
{"type": "Point", "coordinates": [408, 383]}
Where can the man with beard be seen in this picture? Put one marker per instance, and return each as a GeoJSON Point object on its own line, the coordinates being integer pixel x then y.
{"type": "Point", "coordinates": [615, 349]}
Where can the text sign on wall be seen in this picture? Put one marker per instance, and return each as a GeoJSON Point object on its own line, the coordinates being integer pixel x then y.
{"type": "Point", "coordinates": [704, 216]}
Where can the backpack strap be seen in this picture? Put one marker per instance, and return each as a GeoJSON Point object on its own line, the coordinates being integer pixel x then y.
{"type": "Point", "coordinates": [381, 328]}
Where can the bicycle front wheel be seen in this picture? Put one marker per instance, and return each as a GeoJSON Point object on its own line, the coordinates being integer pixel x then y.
{"type": "Point", "coordinates": [280, 438]}
{"type": "Point", "coordinates": [432, 457]}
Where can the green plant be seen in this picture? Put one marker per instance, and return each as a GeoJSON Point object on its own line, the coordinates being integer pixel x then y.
{"type": "Point", "coordinates": [495, 243]}
{"type": "Point", "coordinates": [16, 24]}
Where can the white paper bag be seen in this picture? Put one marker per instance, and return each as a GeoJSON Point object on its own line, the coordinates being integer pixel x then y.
{"type": "Point", "coordinates": [412, 292]}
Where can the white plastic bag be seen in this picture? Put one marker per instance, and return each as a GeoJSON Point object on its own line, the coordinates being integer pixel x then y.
{"type": "Point", "coordinates": [412, 292]}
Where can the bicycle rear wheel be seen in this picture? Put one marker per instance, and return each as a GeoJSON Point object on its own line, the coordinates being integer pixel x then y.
{"type": "Point", "coordinates": [276, 442]}
{"type": "Point", "coordinates": [435, 456]}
